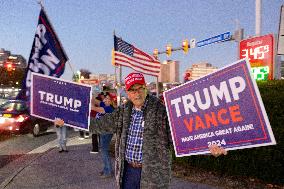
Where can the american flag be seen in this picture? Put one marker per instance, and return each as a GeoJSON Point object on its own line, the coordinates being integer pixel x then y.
{"type": "Point", "coordinates": [127, 55]}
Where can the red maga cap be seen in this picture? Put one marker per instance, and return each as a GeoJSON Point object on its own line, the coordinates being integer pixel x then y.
{"type": "Point", "coordinates": [134, 78]}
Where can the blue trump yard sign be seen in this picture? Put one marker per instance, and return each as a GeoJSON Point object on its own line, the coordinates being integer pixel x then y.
{"type": "Point", "coordinates": [223, 108]}
{"type": "Point", "coordinates": [56, 98]}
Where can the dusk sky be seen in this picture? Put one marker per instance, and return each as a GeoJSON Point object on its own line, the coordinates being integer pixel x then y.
{"type": "Point", "coordinates": [85, 28]}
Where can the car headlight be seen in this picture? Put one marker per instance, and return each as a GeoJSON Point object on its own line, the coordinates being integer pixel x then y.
{"type": "Point", "coordinates": [4, 120]}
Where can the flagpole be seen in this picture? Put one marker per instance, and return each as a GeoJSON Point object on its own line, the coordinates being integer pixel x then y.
{"type": "Point", "coordinates": [157, 86]}
{"type": "Point", "coordinates": [115, 79]}
{"type": "Point", "coordinates": [70, 65]}
{"type": "Point", "coordinates": [40, 3]}
{"type": "Point", "coordinates": [119, 86]}
{"type": "Point", "coordinates": [119, 67]}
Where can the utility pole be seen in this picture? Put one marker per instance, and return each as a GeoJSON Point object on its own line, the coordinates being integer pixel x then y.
{"type": "Point", "coordinates": [238, 36]}
{"type": "Point", "coordinates": [257, 17]}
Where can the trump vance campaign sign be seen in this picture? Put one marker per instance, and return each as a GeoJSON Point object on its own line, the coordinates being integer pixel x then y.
{"type": "Point", "coordinates": [56, 98]}
{"type": "Point", "coordinates": [223, 108]}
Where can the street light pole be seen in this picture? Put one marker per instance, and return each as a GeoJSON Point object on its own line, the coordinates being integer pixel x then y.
{"type": "Point", "coordinates": [257, 17]}
{"type": "Point", "coordinates": [238, 36]}
{"type": "Point", "coordinates": [79, 75]}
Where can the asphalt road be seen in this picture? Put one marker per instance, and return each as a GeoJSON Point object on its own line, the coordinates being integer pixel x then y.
{"type": "Point", "coordinates": [15, 146]}
{"type": "Point", "coordinates": [44, 167]}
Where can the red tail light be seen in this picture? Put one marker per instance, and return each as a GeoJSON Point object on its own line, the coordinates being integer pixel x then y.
{"type": "Point", "coordinates": [21, 118]}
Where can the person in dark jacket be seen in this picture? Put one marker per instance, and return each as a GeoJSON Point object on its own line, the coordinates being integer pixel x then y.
{"type": "Point", "coordinates": [105, 139]}
{"type": "Point", "coordinates": [143, 139]}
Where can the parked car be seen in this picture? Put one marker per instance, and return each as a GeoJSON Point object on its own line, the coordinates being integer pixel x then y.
{"type": "Point", "coordinates": [17, 112]}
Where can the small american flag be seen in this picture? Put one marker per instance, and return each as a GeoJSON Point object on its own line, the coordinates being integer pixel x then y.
{"type": "Point", "coordinates": [127, 55]}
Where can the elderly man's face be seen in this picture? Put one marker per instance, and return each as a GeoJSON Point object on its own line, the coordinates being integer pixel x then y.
{"type": "Point", "coordinates": [137, 94]}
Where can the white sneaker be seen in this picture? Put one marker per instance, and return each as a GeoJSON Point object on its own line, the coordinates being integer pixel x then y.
{"type": "Point", "coordinates": [93, 152]}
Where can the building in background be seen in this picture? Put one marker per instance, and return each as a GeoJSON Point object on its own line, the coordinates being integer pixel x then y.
{"type": "Point", "coordinates": [198, 70]}
{"type": "Point", "coordinates": [3, 56]}
{"type": "Point", "coordinates": [11, 61]}
{"type": "Point", "coordinates": [169, 72]}
{"type": "Point", "coordinates": [282, 70]}
{"type": "Point", "coordinates": [279, 67]}
{"type": "Point", "coordinates": [12, 72]}
{"type": "Point", "coordinates": [104, 79]}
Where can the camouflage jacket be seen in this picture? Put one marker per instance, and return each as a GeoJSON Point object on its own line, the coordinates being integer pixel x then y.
{"type": "Point", "coordinates": [156, 168]}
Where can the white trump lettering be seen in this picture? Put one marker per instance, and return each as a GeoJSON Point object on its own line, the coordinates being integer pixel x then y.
{"type": "Point", "coordinates": [187, 102]}
{"type": "Point", "coordinates": [59, 100]}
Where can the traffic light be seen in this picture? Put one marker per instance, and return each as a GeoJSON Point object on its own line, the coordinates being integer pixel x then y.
{"type": "Point", "coordinates": [169, 50]}
{"type": "Point", "coordinates": [155, 53]}
{"type": "Point", "coordinates": [9, 67]}
{"type": "Point", "coordinates": [185, 46]}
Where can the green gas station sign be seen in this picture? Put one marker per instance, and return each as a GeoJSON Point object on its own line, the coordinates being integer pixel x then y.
{"type": "Point", "coordinates": [260, 73]}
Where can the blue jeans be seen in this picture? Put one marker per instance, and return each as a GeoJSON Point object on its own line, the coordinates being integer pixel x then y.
{"type": "Point", "coordinates": [131, 177]}
{"type": "Point", "coordinates": [105, 142]}
{"type": "Point", "coordinates": [61, 137]}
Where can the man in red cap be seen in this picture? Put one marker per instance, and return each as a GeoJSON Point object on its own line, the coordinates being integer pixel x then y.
{"type": "Point", "coordinates": [143, 139]}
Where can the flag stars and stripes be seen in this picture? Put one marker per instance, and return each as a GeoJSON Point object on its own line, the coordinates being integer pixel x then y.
{"type": "Point", "coordinates": [124, 47]}
{"type": "Point", "coordinates": [127, 55]}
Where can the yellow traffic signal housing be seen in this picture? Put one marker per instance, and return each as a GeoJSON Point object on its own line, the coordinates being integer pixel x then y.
{"type": "Point", "coordinates": [112, 57]}
{"type": "Point", "coordinates": [169, 50]}
{"type": "Point", "coordinates": [185, 46]}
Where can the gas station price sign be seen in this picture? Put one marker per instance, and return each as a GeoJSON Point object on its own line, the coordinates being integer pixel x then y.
{"type": "Point", "coordinates": [259, 50]}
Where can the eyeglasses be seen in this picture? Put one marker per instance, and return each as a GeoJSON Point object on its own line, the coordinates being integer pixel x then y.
{"type": "Point", "coordinates": [139, 90]}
